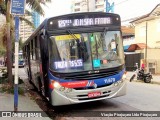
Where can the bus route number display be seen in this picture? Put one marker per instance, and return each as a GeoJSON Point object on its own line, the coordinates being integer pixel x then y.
{"type": "Point", "coordinates": [84, 22]}
{"type": "Point", "coordinates": [68, 64]}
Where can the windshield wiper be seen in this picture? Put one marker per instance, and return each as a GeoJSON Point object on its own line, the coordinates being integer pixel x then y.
{"type": "Point", "coordinates": [102, 36]}
{"type": "Point", "coordinates": [74, 37]}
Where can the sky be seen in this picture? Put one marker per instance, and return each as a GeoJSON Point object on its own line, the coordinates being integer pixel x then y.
{"type": "Point", "coordinates": [127, 9]}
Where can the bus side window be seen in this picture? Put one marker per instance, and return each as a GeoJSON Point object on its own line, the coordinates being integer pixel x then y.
{"type": "Point", "coordinates": [33, 49]}
{"type": "Point", "coordinates": [30, 50]}
{"type": "Point", "coordinates": [37, 48]}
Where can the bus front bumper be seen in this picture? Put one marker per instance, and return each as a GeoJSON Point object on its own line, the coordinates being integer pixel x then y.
{"type": "Point", "coordinates": [81, 96]}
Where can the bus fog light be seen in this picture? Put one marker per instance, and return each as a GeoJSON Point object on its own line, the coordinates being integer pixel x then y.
{"type": "Point", "coordinates": [116, 84]}
{"type": "Point", "coordinates": [61, 88]}
{"type": "Point", "coordinates": [69, 90]}
{"type": "Point", "coordinates": [121, 81]}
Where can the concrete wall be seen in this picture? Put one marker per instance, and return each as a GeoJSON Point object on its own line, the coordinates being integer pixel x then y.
{"type": "Point", "coordinates": [153, 59]}
{"type": "Point", "coordinates": [153, 32]}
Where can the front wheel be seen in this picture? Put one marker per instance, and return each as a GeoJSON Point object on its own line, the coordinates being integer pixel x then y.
{"type": "Point", "coordinates": [147, 80]}
{"type": "Point", "coordinates": [132, 78]}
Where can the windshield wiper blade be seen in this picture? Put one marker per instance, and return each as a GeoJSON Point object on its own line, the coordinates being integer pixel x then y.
{"type": "Point", "coordinates": [69, 31]}
{"type": "Point", "coordinates": [74, 37]}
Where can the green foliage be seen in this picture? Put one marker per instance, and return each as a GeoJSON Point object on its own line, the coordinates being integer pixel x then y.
{"type": "Point", "coordinates": [6, 87]}
{"type": "Point", "coordinates": [8, 37]}
{"type": "Point", "coordinates": [10, 90]}
{"type": "Point", "coordinates": [4, 79]}
{"type": "Point", "coordinates": [2, 51]}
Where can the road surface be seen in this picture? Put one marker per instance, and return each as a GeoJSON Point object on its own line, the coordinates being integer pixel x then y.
{"type": "Point", "coordinates": [140, 97]}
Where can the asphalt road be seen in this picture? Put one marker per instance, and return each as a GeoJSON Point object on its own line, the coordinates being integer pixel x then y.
{"type": "Point", "coordinates": [139, 97]}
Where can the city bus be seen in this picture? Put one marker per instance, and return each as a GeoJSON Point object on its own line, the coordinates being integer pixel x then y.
{"type": "Point", "coordinates": [77, 58]}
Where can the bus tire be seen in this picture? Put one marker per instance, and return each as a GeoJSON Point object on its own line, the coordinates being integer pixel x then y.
{"type": "Point", "coordinates": [39, 85]}
{"type": "Point", "coordinates": [29, 77]}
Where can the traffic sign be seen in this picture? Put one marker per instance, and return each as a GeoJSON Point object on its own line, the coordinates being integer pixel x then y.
{"type": "Point", "coordinates": [18, 7]}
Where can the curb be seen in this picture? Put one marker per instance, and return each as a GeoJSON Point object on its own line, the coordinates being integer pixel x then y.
{"type": "Point", "coordinates": [152, 82]}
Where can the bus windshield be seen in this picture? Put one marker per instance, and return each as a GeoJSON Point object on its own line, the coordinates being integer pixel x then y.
{"type": "Point", "coordinates": [86, 51]}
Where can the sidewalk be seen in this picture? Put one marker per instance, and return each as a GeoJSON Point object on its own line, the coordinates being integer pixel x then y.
{"type": "Point", "coordinates": [155, 80]}
{"type": "Point", "coordinates": [25, 104]}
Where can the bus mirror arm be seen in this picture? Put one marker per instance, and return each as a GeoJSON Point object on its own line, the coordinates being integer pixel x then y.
{"type": "Point", "coordinates": [43, 32]}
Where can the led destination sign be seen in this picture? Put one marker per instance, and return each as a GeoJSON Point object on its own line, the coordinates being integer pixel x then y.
{"type": "Point", "coordinates": [70, 64]}
{"type": "Point", "coordinates": [84, 22]}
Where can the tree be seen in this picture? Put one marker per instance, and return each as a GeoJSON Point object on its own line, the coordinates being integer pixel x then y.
{"type": "Point", "coordinates": [35, 5]}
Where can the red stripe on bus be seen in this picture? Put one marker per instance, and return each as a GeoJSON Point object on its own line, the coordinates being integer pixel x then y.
{"type": "Point", "coordinates": [75, 84]}
{"type": "Point", "coordinates": [51, 86]}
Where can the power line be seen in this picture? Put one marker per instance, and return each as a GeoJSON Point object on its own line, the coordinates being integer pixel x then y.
{"type": "Point", "coordinates": [121, 2]}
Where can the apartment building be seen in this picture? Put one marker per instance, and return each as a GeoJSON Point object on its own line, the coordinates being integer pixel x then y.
{"type": "Point", "coordinates": [36, 19]}
{"type": "Point", "coordinates": [25, 30]}
{"type": "Point", "coordinates": [88, 5]}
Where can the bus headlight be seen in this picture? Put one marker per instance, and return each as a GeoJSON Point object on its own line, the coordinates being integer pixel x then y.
{"type": "Point", "coordinates": [56, 85]}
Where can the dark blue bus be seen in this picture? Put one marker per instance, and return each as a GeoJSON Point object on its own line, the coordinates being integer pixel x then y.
{"type": "Point", "coordinates": [77, 58]}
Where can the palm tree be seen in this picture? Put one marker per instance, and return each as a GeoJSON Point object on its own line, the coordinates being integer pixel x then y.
{"type": "Point", "coordinates": [35, 5]}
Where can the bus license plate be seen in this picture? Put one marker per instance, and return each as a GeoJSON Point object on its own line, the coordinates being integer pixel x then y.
{"type": "Point", "coordinates": [94, 94]}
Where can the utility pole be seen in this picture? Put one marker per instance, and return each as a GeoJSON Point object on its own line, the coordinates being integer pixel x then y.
{"type": "Point", "coordinates": [146, 46]}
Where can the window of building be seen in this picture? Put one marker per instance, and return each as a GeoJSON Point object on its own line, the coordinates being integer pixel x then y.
{"type": "Point", "coordinates": [99, 6]}
{"type": "Point", "coordinates": [77, 10]}
{"type": "Point", "coordinates": [77, 4]}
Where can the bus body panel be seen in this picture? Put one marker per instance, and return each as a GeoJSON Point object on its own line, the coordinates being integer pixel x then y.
{"type": "Point", "coordinates": [109, 87]}
{"type": "Point", "coordinates": [71, 98]}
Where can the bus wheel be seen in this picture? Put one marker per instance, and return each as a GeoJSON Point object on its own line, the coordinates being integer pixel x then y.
{"type": "Point", "coordinates": [29, 77]}
{"type": "Point", "coordinates": [39, 85]}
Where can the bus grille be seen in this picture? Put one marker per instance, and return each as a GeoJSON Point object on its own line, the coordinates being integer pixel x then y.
{"type": "Point", "coordinates": [87, 76]}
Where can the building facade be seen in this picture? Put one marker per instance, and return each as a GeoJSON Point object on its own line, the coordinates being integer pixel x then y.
{"type": "Point", "coordinates": [25, 30]}
{"type": "Point", "coordinates": [147, 31]}
{"type": "Point", "coordinates": [36, 19]}
{"type": "Point", "coordinates": [88, 5]}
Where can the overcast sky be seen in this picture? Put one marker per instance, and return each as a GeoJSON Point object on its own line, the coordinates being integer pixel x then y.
{"type": "Point", "coordinates": [126, 8]}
